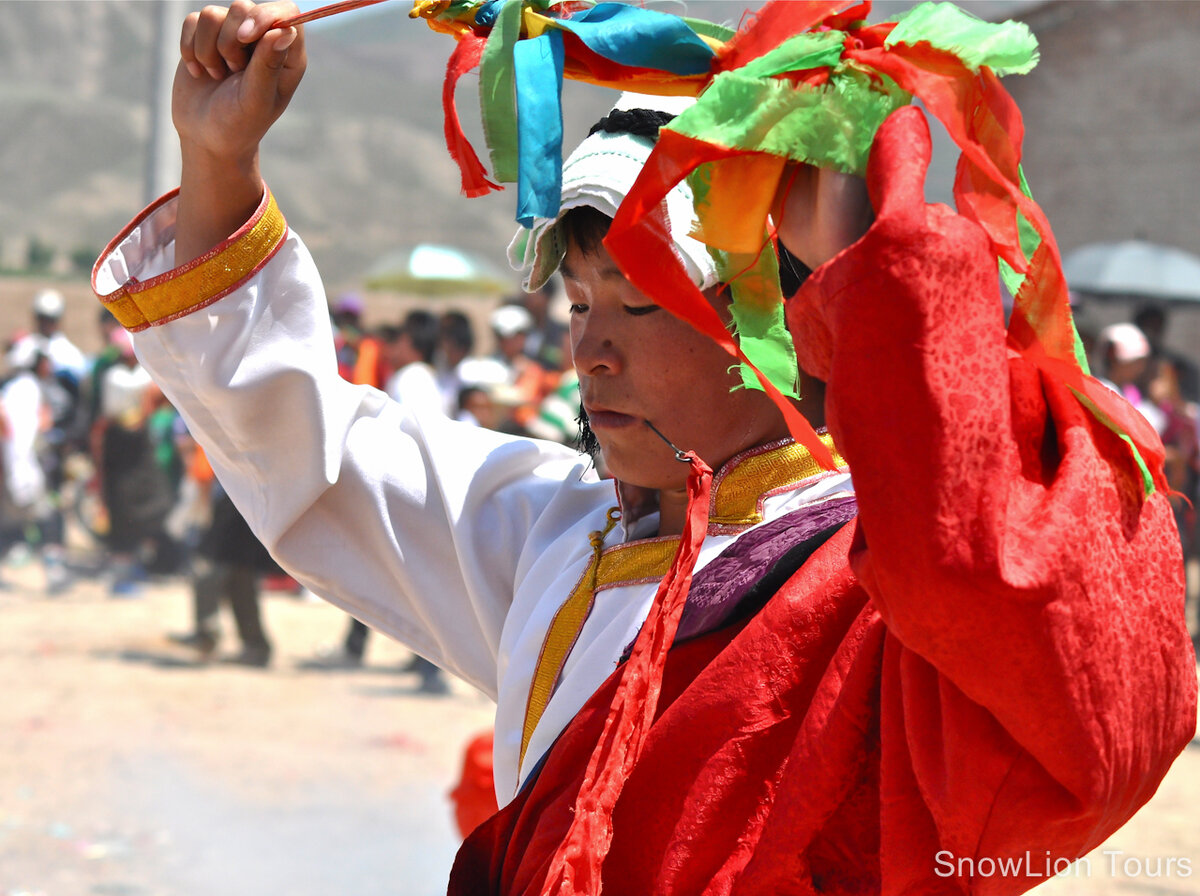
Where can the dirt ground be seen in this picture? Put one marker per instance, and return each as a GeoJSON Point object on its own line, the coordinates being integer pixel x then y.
{"type": "Point", "coordinates": [129, 769]}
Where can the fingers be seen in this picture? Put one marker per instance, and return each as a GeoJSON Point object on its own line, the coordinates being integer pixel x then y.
{"type": "Point", "coordinates": [818, 212]}
{"type": "Point", "coordinates": [219, 41]}
{"type": "Point", "coordinates": [277, 65]}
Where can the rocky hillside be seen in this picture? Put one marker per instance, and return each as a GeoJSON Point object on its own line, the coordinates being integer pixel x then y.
{"type": "Point", "coordinates": [358, 162]}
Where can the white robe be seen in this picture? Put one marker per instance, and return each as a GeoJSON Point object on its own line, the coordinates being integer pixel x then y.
{"type": "Point", "coordinates": [458, 541]}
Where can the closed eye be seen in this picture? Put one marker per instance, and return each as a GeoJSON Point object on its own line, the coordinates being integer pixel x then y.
{"type": "Point", "coordinates": [639, 310]}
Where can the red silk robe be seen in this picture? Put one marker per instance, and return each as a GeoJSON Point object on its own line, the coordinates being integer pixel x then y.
{"type": "Point", "coordinates": [990, 662]}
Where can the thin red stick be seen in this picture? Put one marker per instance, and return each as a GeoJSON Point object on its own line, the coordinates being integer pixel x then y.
{"type": "Point", "coordinates": [331, 10]}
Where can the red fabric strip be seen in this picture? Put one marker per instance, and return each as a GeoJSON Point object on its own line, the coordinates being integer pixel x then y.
{"type": "Point", "coordinates": [952, 92]}
{"type": "Point", "coordinates": [1050, 343]}
{"type": "Point", "coordinates": [641, 245]}
{"type": "Point", "coordinates": [974, 110]}
{"type": "Point", "coordinates": [584, 63]}
{"type": "Point", "coordinates": [773, 24]}
{"type": "Point", "coordinates": [465, 57]}
{"type": "Point", "coordinates": [575, 867]}
{"type": "Point", "coordinates": [996, 124]}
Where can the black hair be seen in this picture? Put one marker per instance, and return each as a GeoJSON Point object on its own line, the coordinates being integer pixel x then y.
{"type": "Point", "coordinates": [585, 227]}
{"type": "Point", "coordinates": [423, 331]}
{"type": "Point", "coordinates": [639, 122]}
{"type": "Point", "coordinates": [792, 271]}
{"type": "Point", "coordinates": [586, 443]}
{"type": "Point", "coordinates": [455, 327]}
{"type": "Point", "coordinates": [1150, 313]}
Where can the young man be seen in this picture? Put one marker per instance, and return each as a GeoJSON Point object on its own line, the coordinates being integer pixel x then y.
{"type": "Point", "coordinates": [976, 652]}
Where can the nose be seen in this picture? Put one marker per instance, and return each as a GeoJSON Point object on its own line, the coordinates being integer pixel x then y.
{"type": "Point", "coordinates": [593, 350]}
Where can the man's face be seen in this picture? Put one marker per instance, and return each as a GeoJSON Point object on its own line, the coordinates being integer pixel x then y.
{"type": "Point", "coordinates": [638, 362]}
{"type": "Point", "coordinates": [511, 345]}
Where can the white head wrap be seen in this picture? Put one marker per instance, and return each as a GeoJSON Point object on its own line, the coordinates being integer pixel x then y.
{"type": "Point", "coordinates": [599, 173]}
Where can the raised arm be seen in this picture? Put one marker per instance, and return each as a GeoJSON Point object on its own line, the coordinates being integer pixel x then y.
{"type": "Point", "coordinates": [1032, 591]}
{"type": "Point", "coordinates": [236, 76]}
{"type": "Point", "coordinates": [417, 526]}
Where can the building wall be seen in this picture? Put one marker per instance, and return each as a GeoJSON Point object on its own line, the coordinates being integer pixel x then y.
{"type": "Point", "coordinates": [1112, 134]}
{"type": "Point", "coordinates": [1112, 117]}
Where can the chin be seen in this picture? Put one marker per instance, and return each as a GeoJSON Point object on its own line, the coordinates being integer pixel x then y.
{"type": "Point", "coordinates": [669, 475]}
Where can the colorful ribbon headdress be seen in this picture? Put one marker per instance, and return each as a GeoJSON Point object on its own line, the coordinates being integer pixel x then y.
{"type": "Point", "coordinates": [803, 81]}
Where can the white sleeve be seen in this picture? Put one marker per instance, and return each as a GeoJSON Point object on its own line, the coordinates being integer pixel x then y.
{"type": "Point", "coordinates": [418, 529]}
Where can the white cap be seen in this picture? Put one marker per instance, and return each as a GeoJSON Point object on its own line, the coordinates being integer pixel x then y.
{"type": "Point", "coordinates": [48, 303]}
{"type": "Point", "coordinates": [23, 352]}
{"type": "Point", "coordinates": [509, 320]}
{"type": "Point", "coordinates": [485, 373]}
{"type": "Point", "coordinates": [599, 173]}
{"type": "Point", "coordinates": [1128, 343]}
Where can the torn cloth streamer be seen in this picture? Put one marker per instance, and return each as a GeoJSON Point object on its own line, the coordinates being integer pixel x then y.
{"type": "Point", "coordinates": [800, 83]}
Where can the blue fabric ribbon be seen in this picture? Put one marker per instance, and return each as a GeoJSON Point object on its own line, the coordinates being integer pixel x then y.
{"type": "Point", "coordinates": [640, 38]}
{"type": "Point", "coordinates": [539, 70]}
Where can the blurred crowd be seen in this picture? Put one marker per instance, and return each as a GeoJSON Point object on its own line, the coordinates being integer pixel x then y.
{"type": "Point", "coordinates": [92, 448]}
{"type": "Point", "coordinates": [435, 361]}
{"type": "Point", "coordinates": [1132, 357]}
{"type": "Point", "coordinates": [91, 445]}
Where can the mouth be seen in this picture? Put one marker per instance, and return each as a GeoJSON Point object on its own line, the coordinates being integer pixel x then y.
{"type": "Point", "coordinates": [603, 418]}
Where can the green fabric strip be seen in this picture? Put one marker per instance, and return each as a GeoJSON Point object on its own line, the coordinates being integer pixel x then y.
{"type": "Point", "coordinates": [1147, 479]}
{"type": "Point", "coordinates": [1006, 48]}
{"type": "Point", "coordinates": [709, 29]}
{"type": "Point", "coordinates": [832, 125]}
{"type": "Point", "coordinates": [798, 53]}
{"type": "Point", "coordinates": [498, 92]}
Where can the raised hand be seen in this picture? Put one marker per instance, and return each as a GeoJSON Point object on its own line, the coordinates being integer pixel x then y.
{"type": "Point", "coordinates": [236, 76]}
{"type": "Point", "coordinates": [819, 212]}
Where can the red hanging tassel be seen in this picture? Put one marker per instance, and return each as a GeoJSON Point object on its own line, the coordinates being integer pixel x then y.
{"type": "Point", "coordinates": [465, 57]}
{"type": "Point", "coordinates": [575, 868]}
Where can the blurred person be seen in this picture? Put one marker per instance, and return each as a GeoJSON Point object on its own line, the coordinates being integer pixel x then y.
{"type": "Point", "coordinates": [228, 568]}
{"type": "Point", "coordinates": [108, 355]}
{"type": "Point", "coordinates": [511, 325]}
{"type": "Point", "coordinates": [135, 489]}
{"type": "Point", "coordinates": [61, 375]}
{"type": "Point", "coordinates": [346, 315]}
{"type": "Point", "coordinates": [477, 407]}
{"type": "Point", "coordinates": [1151, 318]}
{"type": "Point", "coordinates": [526, 382]}
{"type": "Point", "coordinates": [25, 417]}
{"type": "Point", "coordinates": [1181, 440]}
{"type": "Point", "coordinates": [456, 342]}
{"type": "Point", "coordinates": [59, 436]}
{"type": "Point", "coordinates": [411, 352]}
{"type": "Point", "coordinates": [66, 360]}
{"type": "Point", "coordinates": [359, 351]}
{"type": "Point", "coordinates": [1125, 358]}
{"type": "Point", "coordinates": [546, 340]}
{"type": "Point", "coordinates": [163, 427]}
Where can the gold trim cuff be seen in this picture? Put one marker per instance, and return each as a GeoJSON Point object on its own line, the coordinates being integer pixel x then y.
{"type": "Point", "coordinates": [199, 283]}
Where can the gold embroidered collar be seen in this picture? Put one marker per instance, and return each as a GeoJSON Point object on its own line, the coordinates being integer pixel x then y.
{"type": "Point", "coordinates": [739, 490]}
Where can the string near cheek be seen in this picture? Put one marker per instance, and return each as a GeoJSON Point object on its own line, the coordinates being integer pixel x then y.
{"type": "Point", "coordinates": [680, 455]}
